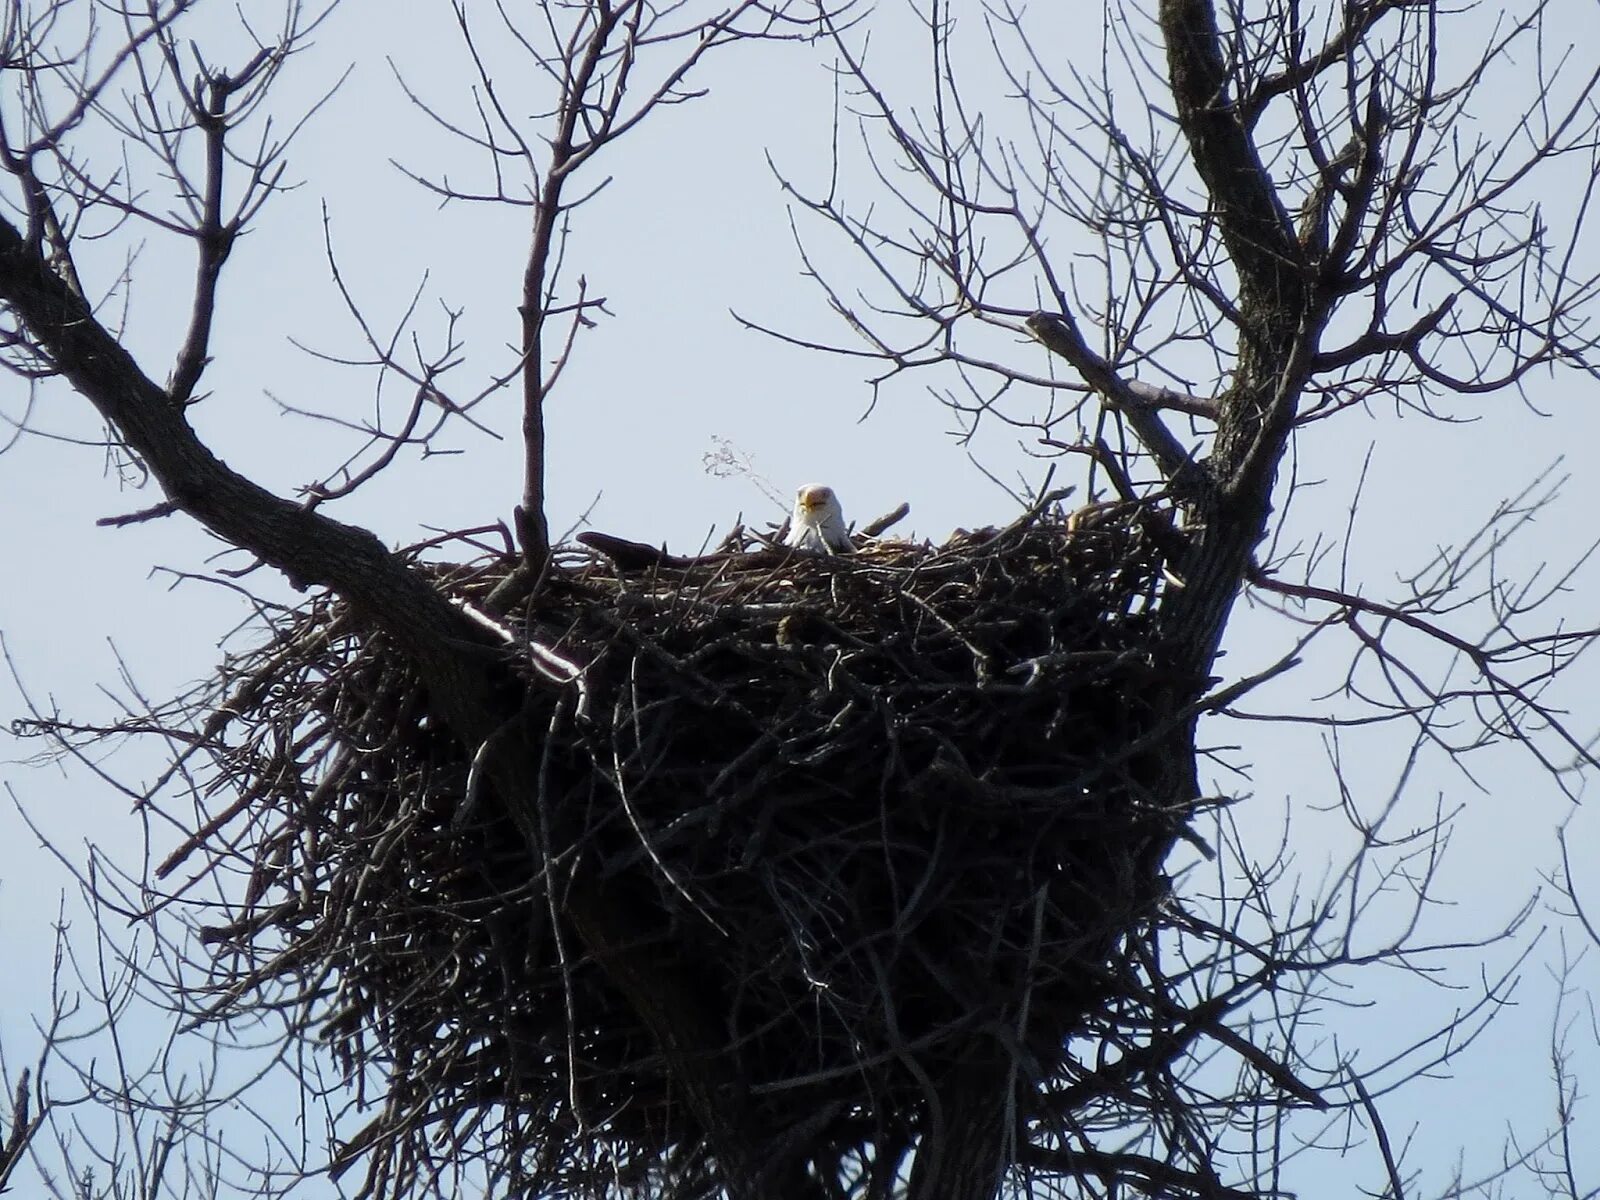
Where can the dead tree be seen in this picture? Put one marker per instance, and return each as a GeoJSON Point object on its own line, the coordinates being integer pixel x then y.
{"type": "Point", "coordinates": [1235, 224]}
{"type": "Point", "coordinates": [768, 876]}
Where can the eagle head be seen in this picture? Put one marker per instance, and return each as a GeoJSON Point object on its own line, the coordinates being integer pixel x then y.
{"type": "Point", "coordinates": [817, 522]}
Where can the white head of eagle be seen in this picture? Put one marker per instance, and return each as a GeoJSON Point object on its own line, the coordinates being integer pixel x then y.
{"type": "Point", "coordinates": [817, 522]}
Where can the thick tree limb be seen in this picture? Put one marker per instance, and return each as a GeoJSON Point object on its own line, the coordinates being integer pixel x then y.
{"type": "Point", "coordinates": [1376, 341]}
{"type": "Point", "coordinates": [1060, 335]}
{"type": "Point", "coordinates": [1281, 317]}
{"type": "Point", "coordinates": [24, 1124]}
{"type": "Point", "coordinates": [308, 547]}
{"type": "Point", "coordinates": [1258, 232]}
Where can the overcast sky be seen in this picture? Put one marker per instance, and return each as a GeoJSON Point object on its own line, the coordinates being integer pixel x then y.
{"type": "Point", "coordinates": [692, 227]}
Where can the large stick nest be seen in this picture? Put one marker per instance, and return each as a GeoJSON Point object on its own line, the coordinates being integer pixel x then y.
{"type": "Point", "coordinates": [876, 804]}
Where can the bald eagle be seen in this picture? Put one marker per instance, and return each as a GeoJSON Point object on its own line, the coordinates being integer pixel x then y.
{"type": "Point", "coordinates": [817, 522]}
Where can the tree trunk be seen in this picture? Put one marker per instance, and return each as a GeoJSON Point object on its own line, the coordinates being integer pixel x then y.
{"type": "Point", "coordinates": [966, 1142]}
